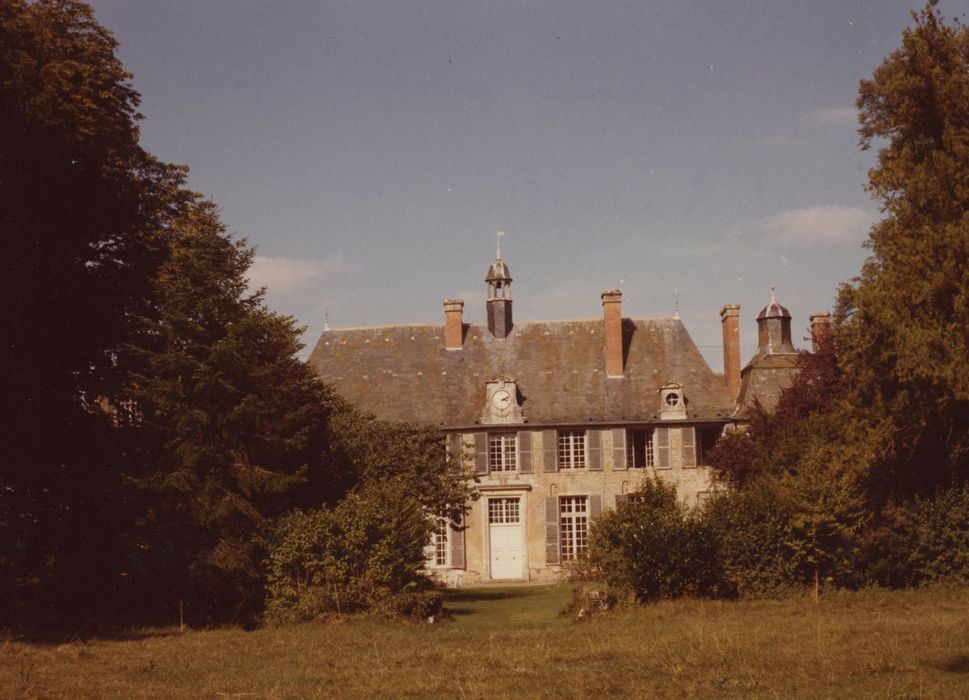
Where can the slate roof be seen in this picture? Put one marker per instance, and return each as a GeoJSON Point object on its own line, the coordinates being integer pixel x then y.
{"type": "Point", "coordinates": [765, 377]}
{"type": "Point", "coordinates": [405, 372]}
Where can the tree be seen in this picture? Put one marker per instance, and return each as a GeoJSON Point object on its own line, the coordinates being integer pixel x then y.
{"type": "Point", "coordinates": [83, 214]}
{"type": "Point", "coordinates": [230, 430]}
{"type": "Point", "coordinates": [903, 323]}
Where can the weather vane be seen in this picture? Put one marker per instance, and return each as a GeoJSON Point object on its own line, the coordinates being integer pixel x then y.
{"type": "Point", "coordinates": [772, 299]}
{"type": "Point", "coordinates": [498, 234]}
{"type": "Point", "coordinates": [326, 318]}
{"type": "Point", "coordinates": [676, 303]}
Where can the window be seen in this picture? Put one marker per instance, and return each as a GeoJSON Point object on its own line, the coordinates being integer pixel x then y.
{"type": "Point", "coordinates": [672, 399]}
{"type": "Point", "coordinates": [438, 551]}
{"type": "Point", "coordinates": [503, 511]}
{"type": "Point", "coordinates": [574, 513]}
{"type": "Point", "coordinates": [707, 439]}
{"type": "Point", "coordinates": [571, 453]}
{"type": "Point", "coordinates": [502, 452]}
{"type": "Point", "coordinates": [639, 449]}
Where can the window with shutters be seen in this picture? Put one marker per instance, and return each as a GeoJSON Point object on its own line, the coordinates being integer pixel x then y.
{"type": "Point", "coordinates": [706, 440]}
{"type": "Point", "coordinates": [502, 452]}
{"type": "Point", "coordinates": [574, 524]}
{"type": "Point", "coordinates": [438, 551]}
{"type": "Point", "coordinates": [639, 449]}
{"type": "Point", "coordinates": [571, 449]}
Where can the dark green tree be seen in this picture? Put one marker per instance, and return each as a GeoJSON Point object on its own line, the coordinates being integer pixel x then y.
{"type": "Point", "coordinates": [83, 212]}
{"type": "Point", "coordinates": [903, 323]}
{"type": "Point", "coordinates": [229, 429]}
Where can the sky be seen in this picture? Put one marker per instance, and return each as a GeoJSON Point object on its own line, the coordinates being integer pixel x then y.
{"type": "Point", "coordinates": [691, 154]}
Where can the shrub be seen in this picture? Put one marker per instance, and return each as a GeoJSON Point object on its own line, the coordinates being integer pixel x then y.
{"type": "Point", "coordinates": [938, 537]}
{"type": "Point", "coordinates": [654, 547]}
{"type": "Point", "coordinates": [752, 534]}
{"type": "Point", "coordinates": [350, 558]}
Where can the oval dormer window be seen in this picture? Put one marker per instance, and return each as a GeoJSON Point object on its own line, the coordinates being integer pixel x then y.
{"type": "Point", "coordinates": [672, 399]}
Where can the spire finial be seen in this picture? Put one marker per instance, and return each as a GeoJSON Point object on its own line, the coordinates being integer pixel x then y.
{"type": "Point", "coordinates": [498, 234]}
{"type": "Point", "coordinates": [676, 303]}
{"type": "Point", "coordinates": [772, 299]}
{"type": "Point", "coordinates": [326, 318]}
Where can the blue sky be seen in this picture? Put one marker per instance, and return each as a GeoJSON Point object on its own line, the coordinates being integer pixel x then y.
{"type": "Point", "coordinates": [690, 152]}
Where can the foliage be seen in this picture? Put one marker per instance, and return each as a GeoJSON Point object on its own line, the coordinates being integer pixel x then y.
{"type": "Point", "coordinates": [903, 323]}
{"type": "Point", "coordinates": [654, 547]}
{"type": "Point", "coordinates": [355, 556]}
{"type": "Point", "coordinates": [411, 456]}
{"type": "Point", "coordinates": [231, 426]}
{"type": "Point", "coordinates": [84, 212]}
{"type": "Point", "coordinates": [752, 531]}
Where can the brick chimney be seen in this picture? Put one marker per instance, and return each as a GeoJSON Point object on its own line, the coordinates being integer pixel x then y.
{"type": "Point", "coordinates": [730, 321]}
{"type": "Point", "coordinates": [820, 328]}
{"type": "Point", "coordinates": [453, 324]}
{"type": "Point", "coordinates": [612, 319]}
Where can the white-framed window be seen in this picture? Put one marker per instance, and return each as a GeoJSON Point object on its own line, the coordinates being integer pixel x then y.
{"type": "Point", "coordinates": [504, 511]}
{"type": "Point", "coordinates": [574, 524]}
{"type": "Point", "coordinates": [639, 448]}
{"type": "Point", "coordinates": [502, 452]}
{"type": "Point", "coordinates": [438, 551]}
{"type": "Point", "coordinates": [571, 449]}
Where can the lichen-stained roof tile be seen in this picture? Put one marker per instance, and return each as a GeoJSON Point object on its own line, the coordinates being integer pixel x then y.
{"type": "Point", "coordinates": [405, 372]}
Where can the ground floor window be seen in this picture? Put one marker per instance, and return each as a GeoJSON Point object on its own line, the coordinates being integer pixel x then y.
{"type": "Point", "coordinates": [437, 553]}
{"type": "Point", "coordinates": [574, 514]}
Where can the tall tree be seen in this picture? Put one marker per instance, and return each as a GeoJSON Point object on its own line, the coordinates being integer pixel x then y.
{"type": "Point", "coordinates": [83, 211]}
{"type": "Point", "coordinates": [904, 321]}
{"type": "Point", "coordinates": [230, 427]}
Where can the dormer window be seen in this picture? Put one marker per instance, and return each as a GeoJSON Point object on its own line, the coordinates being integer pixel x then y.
{"type": "Point", "coordinates": [672, 402]}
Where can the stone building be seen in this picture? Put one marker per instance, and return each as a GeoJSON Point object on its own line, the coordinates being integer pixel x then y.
{"type": "Point", "coordinates": [558, 419]}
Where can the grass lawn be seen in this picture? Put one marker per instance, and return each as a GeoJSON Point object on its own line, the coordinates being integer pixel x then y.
{"type": "Point", "coordinates": [510, 642]}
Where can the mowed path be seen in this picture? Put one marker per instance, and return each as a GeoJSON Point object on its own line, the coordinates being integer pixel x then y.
{"type": "Point", "coordinates": [512, 643]}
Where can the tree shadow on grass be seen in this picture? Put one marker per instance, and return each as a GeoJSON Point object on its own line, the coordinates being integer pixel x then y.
{"type": "Point", "coordinates": [958, 663]}
{"type": "Point", "coordinates": [473, 595]}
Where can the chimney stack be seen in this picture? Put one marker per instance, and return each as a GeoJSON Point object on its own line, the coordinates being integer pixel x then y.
{"type": "Point", "coordinates": [453, 324]}
{"type": "Point", "coordinates": [820, 328]}
{"type": "Point", "coordinates": [730, 320]}
{"type": "Point", "coordinates": [612, 318]}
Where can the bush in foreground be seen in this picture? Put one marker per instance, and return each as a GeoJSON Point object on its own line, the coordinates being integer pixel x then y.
{"type": "Point", "coordinates": [355, 557]}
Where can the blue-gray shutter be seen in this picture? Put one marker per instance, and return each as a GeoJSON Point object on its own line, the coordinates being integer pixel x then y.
{"type": "Point", "coordinates": [481, 454]}
{"type": "Point", "coordinates": [662, 437]}
{"type": "Point", "coordinates": [549, 451]}
{"type": "Point", "coordinates": [595, 506]}
{"type": "Point", "coordinates": [456, 540]}
{"type": "Point", "coordinates": [525, 452]}
{"type": "Point", "coordinates": [593, 448]}
{"type": "Point", "coordinates": [688, 446]}
{"type": "Point", "coordinates": [552, 555]}
{"type": "Point", "coordinates": [619, 449]}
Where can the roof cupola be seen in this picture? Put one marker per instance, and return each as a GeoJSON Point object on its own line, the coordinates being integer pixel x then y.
{"type": "Point", "coordinates": [498, 280]}
{"type": "Point", "coordinates": [774, 328]}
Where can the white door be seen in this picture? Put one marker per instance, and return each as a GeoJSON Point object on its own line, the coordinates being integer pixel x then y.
{"type": "Point", "coordinates": [505, 538]}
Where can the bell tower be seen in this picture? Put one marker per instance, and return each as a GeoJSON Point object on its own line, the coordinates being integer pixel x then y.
{"type": "Point", "coordinates": [498, 280]}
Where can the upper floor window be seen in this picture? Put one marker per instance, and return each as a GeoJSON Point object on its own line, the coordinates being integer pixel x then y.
{"type": "Point", "coordinates": [502, 452]}
{"type": "Point", "coordinates": [639, 449]}
{"type": "Point", "coordinates": [571, 449]}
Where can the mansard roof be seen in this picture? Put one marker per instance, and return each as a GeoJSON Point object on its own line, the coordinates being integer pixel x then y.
{"type": "Point", "coordinates": [405, 373]}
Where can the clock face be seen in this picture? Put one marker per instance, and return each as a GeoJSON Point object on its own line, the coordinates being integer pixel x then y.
{"type": "Point", "coordinates": [501, 399]}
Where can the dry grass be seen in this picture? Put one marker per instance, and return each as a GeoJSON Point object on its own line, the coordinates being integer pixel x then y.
{"type": "Point", "coordinates": [510, 642]}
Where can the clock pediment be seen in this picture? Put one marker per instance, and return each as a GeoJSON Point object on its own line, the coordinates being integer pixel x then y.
{"type": "Point", "coordinates": [501, 401]}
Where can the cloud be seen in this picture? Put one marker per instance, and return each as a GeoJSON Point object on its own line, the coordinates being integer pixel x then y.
{"type": "Point", "coordinates": [289, 275]}
{"type": "Point", "coordinates": [824, 224]}
{"type": "Point", "coordinates": [831, 116]}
